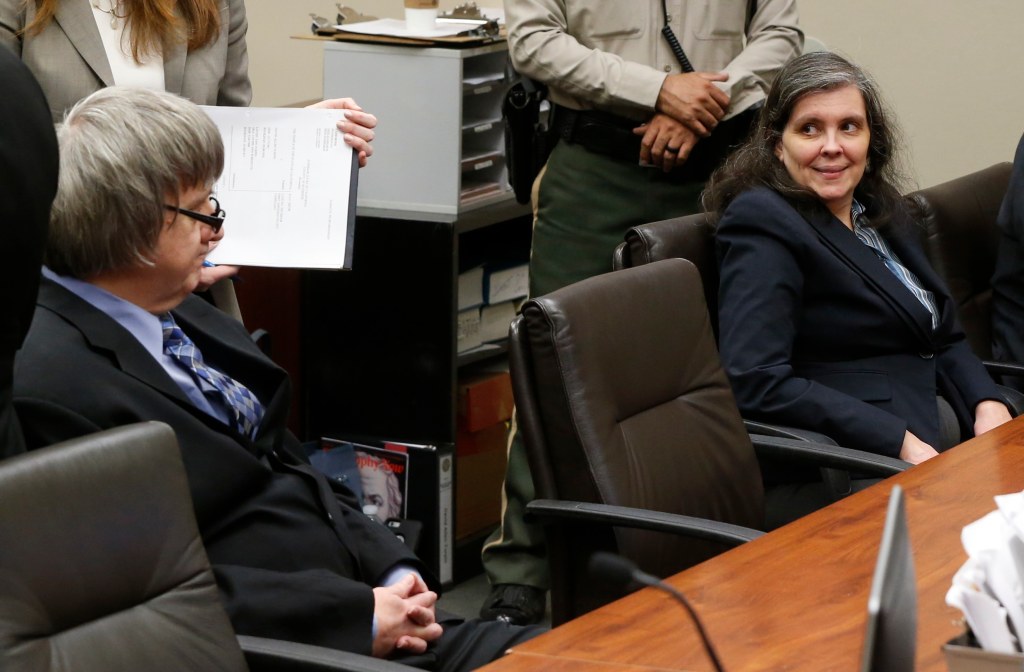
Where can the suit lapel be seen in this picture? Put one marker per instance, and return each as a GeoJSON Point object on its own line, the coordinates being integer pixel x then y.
{"type": "Point", "coordinates": [913, 258]}
{"type": "Point", "coordinates": [104, 334]}
{"type": "Point", "coordinates": [77, 22]}
{"type": "Point", "coordinates": [234, 354]}
{"type": "Point", "coordinates": [863, 261]}
{"type": "Point", "coordinates": [232, 351]}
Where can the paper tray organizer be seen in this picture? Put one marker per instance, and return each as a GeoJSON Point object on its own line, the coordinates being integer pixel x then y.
{"type": "Point", "coordinates": [964, 655]}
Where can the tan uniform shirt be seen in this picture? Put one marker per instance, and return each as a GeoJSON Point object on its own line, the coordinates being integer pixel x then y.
{"type": "Point", "coordinates": [611, 55]}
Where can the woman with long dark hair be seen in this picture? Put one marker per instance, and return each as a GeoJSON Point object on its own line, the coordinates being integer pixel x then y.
{"type": "Point", "coordinates": [831, 318]}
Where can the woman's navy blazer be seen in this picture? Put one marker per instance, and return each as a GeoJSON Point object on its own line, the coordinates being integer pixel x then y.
{"type": "Point", "coordinates": [817, 333]}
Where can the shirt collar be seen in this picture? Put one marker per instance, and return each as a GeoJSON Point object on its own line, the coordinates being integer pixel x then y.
{"type": "Point", "coordinates": [143, 325]}
{"type": "Point", "coordinates": [856, 212]}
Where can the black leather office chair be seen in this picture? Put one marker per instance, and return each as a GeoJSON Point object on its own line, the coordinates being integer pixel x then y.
{"type": "Point", "coordinates": [961, 239]}
{"type": "Point", "coordinates": [632, 430]}
{"type": "Point", "coordinates": [691, 237]}
{"type": "Point", "coordinates": [102, 568]}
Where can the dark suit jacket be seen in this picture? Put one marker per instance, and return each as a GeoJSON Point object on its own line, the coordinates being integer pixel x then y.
{"type": "Point", "coordinates": [1008, 278]}
{"type": "Point", "coordinates": [817, 333]}
{"type": "Point", "coordinates": [28, 182]}
{"type": "Point", "coordinates": [70, 62]}
{"type": "Point", "coordinates": [291, 560]}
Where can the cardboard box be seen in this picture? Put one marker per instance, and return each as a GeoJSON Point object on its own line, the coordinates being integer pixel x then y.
{"type": "Point", "coordinates": [484, 400]}
{"type": "Point", "coordinates": [480, 459]}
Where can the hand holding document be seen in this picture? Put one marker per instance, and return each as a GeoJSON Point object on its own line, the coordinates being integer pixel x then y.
{"type": "Point", "coordinates": [288, 187]}
{"type": "Point", "coordinates": [989, 587]}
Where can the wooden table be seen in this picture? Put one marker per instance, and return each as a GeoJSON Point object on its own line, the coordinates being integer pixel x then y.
{"type": "Point", "coordinates": [796, 599]}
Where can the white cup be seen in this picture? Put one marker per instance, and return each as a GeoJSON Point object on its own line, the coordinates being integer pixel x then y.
{"type": "Point", "coordinates": [420, 20]}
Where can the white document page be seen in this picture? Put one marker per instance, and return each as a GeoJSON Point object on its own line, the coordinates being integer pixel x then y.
{"type": "Point", "coordinates": [288, 188]}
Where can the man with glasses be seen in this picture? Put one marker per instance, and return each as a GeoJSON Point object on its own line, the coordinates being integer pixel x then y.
{"type": "Point", "coordinates": [118, 337]}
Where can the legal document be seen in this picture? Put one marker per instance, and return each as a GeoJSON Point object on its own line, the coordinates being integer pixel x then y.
{"type": "Point", "coordinates": [288, 188]}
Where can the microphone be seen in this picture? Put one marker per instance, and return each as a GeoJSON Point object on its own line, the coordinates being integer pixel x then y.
{"type": "Point", "coordinates": [617, 570]}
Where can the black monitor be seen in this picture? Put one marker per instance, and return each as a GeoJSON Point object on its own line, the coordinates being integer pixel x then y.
{"type": "Point", "coordinates": [890, 640]}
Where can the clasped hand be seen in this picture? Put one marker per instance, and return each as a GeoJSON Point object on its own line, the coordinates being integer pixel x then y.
{"type": "Point", "coordinates": [688, 108]}
{"type": "Point", "coordinates": [405, 616]}
{"type": "Point", "coordinates": [692, 99]}
{"type": "Point", "coordinates": [665, 143]}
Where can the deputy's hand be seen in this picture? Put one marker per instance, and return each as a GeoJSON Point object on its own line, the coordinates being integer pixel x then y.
{"type": "Point", "coordinates": [666, 142]}
{"type": "Point", "coordinates": [406, 619]}
{"type": "Point", "coordinates": [915, 450]}
{"type": "Point", "coordinates": [357, 126]}
{"type": "Point", "coordinates": [989, 414]}
{"type": "Point", "coordinates": [692, 99]}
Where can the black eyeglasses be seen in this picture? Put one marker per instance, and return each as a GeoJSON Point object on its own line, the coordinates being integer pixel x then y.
{"type": "Point", "coordinates": [214, 221]}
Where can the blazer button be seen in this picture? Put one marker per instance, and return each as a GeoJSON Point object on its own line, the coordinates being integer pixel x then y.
{"type": "Point", "coordinates": [927, 355]}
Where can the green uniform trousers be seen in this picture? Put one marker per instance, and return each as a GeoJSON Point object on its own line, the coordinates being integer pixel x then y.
{"type": "Point", "coordinates": [583, 205]}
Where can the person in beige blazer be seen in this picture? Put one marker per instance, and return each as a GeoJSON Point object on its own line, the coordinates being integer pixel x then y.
{"type": "Point", "coordinates": [69, 60]}
{"type": "Point", "coordinates": [200, 44]}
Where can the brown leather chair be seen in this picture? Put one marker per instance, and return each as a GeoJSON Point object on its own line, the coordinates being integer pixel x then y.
{"type": "Point", "coordinates": [632, 430]}
{"type": "Point", "coordinates": [689, 237]}
{"type": "Point", "coordinates": [692, 237]}
{"type": "Point", "coordinates": [961, 239]}
{"type": "Point", "coordinates": [102, 568]}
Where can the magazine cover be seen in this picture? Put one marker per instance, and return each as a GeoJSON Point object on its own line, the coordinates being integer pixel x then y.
{"type": "Point", "coordinates": [403, 480]}
{"type": "Point", "coordinates": [384, 476]}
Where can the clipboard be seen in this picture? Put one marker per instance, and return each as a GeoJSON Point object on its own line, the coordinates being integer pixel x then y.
{"type": "Point", "coordinates": [452, 42]}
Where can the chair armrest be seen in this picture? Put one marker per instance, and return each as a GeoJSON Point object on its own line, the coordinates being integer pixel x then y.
{"type": "Point", "coordinates": [1004, 368]}
{"type": "Point", "coordinates": [1013, 398]}
{"type": "Point", "coordinates": [764, 429]}
{"type": "Point", "coordinates": [261, 337]}
{"type": "Point", "coordinates": [643, 519]}
{"type": "Point", "coordinates": [826, 455]}
{"type": "Point", "coordinates": [275, 655]}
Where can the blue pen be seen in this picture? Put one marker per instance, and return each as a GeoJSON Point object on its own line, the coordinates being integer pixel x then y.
{"type": "Point", "coordinates": [210, 264]}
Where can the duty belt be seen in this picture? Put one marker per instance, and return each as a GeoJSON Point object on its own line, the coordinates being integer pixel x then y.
{"type": "Point", "coordinates": [612, 135]}
{"type": "Point", "coordinates": [598, 132]}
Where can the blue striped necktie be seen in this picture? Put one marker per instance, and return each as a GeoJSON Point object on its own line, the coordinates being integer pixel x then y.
{"type": "Point", "coordinates": [244, 407]}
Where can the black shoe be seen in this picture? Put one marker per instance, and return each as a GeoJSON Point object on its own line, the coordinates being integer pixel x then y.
{"type": "Point", "coordinates": [515, 604]}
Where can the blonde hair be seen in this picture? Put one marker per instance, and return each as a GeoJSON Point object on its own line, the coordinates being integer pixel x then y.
{"type": "Point", "coordinates": [155, 25]}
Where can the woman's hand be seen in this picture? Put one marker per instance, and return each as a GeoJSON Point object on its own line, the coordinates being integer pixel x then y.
{"type": "Point", "coordinates": [915, 450]}
{"type": "Point", "coordinates": [357, 126]}
{"type": "Point", "coordinates": [989, 414]}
